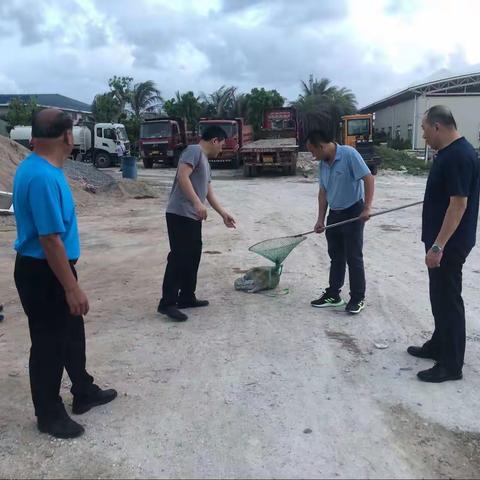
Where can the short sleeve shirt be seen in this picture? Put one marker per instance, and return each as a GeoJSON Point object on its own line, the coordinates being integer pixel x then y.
{"type": "Point", "coordinates": [43, 204]}
{"type": "Point", "coordinates": [455, 172]}
{"type": "Point", "coordinates": [178, 202]}
{"type": "Point", "coordinates": [343, 179]}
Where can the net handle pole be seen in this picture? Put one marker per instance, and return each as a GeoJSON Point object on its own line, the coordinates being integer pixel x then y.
{"type": "Point", "coordinates": [351, 220]}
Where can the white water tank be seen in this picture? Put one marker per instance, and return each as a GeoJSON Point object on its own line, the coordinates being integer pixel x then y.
{"type": "Point", "coordinates": [22, 134]}
{"type": "Point", "coordinates": [82, 138]}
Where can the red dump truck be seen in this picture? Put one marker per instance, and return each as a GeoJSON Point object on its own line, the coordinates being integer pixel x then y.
{"type": "Point", "coordinates": [238, 134]}
{"type": "Point", "coordinates": [277, 148]}
{"type": "Point", "coordinates": [162, 140]}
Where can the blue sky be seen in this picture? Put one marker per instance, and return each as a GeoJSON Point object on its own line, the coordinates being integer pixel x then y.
{"type": "Point", "coordinates": [373, 47]}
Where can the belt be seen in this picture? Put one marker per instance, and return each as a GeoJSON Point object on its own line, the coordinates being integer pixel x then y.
{"type": "Point", "coordinates": [43, 260]}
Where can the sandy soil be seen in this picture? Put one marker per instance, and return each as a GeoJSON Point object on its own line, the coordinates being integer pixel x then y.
{"type": "Point", "coordinates": [253, 386]}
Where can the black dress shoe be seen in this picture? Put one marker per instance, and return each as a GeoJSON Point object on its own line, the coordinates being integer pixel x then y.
{"type": "Point", "coordinates": [193, 303]}
{"type": "Point", "coordinates": [438, 374]}
{"type": "Point", "coordinates": [420, 352]}
{"type": "Point", "coordinates": [82, 404]}
{"type": "Point", "coordinates": [60, 425]}
{"type": "Point", "coordinates": [172, 312]}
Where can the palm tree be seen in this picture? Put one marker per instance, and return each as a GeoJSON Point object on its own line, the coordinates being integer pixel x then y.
{"type": "Point", "coordinates": [144, 97]}
{"type": "Point", "coordinates": [241, 106]}
{"type": "Point", "coordinates": [342, 102]}
{"type": "Point", "coordinates": [185, 105]}
{"type": "Point", "coordinates": [321, 105]}
{"type": "Point", "coordinates": [316, 87]}
{"type": "Point", "coordinates": [221, 102]}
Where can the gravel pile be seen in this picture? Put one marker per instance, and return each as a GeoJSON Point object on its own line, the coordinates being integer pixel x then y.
{"type": "Point", "coordinates": [88, 175]}
{"type": "Point", "coordinates": [307, 165]}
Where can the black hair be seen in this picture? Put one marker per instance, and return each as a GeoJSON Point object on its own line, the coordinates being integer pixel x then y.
{"type": "Point", "coordinates": [50, 126]}
{"type": "Point", "coordinates": [315, 137]}
{"type": "Point", "coordinates": [214, 131]}
{"type": "Point", "coordinates": [442, 115]}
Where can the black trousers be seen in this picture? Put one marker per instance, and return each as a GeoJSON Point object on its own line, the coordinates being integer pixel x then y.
{"type": "Point", "coordinates": [58, 338]}
{"type": "Point", "coordinates": [448, 340]}
{"type": "Point", "coordinates": [345, 247]}
{"type": "Point", "coordinates": [180, 280]}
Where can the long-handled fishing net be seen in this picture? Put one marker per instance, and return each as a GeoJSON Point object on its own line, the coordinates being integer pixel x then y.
{"type": "Point", "coordinates": [278, 249]}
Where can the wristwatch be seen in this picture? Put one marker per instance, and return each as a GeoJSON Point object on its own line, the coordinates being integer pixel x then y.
{"type": "Point", "coordinates": [436, 248]}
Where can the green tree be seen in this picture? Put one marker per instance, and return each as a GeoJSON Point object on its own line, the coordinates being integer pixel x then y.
{"type": "Point", "coordinates": [185, 105]}
{"type": "Point", "coordinates": [321, 105]}
{"type": "Point", "coordinates": [106, 108]}
{"type": "Point", "coordinates": [342, 102]}
{"type": "Point", "coordinates": [20, 112]}
{"type": "Point", "coordinates": [144, 97]}
{"type": "Point", "coordinates": [121, 88]}
{"type": "Point", "coordinates": [132, 126]}
{"type": "Point", "coordinates": [240, 107]}
{"type": "Point", "coordinates": [259, 100]}
{"type": "Point", "coordinates": [220, 103]}
{"type": "Point", "coordinates": [316, 87]}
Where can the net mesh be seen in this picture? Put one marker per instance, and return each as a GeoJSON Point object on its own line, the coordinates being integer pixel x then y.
{"type": "Point", "coordinates": [277, 249]}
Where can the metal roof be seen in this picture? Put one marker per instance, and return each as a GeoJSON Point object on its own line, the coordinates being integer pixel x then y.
{"type": "Point", "coordinates": [50, 100]}
{"type": "Point", "coordinates": [453, 85]}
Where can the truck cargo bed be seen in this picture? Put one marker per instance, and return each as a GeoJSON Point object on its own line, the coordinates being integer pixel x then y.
{"type": "Point", "coordinates": [280, 144]}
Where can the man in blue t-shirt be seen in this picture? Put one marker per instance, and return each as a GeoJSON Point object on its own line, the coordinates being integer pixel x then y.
{"type": "Point", "coordinates": [449, 226]}
{"type": "Point", "coordinates": [47, 248]}
{"type": "Point", "coordinates": [346, 188]}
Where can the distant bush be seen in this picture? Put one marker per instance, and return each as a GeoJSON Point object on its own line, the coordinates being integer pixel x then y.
{"type": "Point", "coordinates": [392, 159]}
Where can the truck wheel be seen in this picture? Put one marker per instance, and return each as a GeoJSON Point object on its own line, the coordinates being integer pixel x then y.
{"type": "Point", "coordinates": [148, 163]}
{"type": "Point", "coordinates": [374, 169]}
{"type": "Point", "coordinates": [253, 171]}
{"type": "Point", "coordinates": [102, 160]}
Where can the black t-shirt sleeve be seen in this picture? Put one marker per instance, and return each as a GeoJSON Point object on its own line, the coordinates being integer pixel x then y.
{"type": "Point", "coordinates": [458, 175]}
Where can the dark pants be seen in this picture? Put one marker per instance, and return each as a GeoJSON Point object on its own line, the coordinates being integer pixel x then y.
{"type": "Point", "coordinates": [180, 280]}
{"type": "Point", "coordinates": [448, 340]}
{"type": "Point", "coordinates": [58, 338]}
{"type": "Point", "coordinates": [345, 247]}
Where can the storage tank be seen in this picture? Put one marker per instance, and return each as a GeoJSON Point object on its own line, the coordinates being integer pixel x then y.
{"type": "Point", "coordinates": [82, 138]}
{"type": "Point", "coordinates": [22, 134]}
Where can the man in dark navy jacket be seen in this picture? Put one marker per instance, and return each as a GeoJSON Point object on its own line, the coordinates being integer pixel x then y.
{"type": "Point", "coordinates": [449, 225]}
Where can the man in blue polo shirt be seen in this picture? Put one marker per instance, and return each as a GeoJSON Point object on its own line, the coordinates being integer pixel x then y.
{"type": "Point", "coordinates": [47, 248]}
{"type": "Point", "coordinates": [346, 189]}
{"type": "Point", "coordinates": [449, 227]}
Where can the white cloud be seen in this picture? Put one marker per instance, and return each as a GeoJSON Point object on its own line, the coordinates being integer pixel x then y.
{"type": "Point", "coordinates": [372, 47]}
{"type": "Point", "coordinates": [7, 85]}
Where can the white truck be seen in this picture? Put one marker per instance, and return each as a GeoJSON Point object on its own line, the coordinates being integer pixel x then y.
{"type": "Point", "coordinates": [95, 143]}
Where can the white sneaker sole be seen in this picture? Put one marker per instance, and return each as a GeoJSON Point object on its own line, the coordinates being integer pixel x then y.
{"type": "Point", "coordinates": [355, 312]}
{"type": "Point", "coordinates": [329, 305]}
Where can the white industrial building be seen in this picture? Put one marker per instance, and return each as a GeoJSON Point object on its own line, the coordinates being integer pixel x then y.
{"type": "Point", "coordinates": [400, 115]}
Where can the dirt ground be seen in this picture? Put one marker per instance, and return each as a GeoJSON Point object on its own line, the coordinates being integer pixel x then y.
{"type": "Point", "coordinates": [253, 386]}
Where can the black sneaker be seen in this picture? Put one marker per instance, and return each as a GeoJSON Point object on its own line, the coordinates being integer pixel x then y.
{"type": "Point", "coordinates": [193, 303]}
{"type": "Point", "coordinates": [60, 425]}
{"type": "Point", "coordinates": [328, 300]}
{"type": "Point", "coordinates": [438, 374]}
{"type": "Point", "coordinates": [82, 404]}
{"type": "Point", "coordinates": [354, 306]}
{"type": "Point", "coordinates": [172, 312]}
